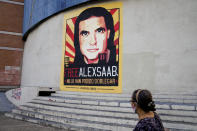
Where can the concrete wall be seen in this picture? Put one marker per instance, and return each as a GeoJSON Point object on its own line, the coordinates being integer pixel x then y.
{"type": "Point", "coordinates": [159, 48]}
{"type": "Point", "coordinates": [160, 45]}
{"type": "Point", "coordinates": [42, 55]}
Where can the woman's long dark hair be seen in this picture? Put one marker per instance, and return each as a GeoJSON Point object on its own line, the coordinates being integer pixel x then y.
{"type": "Point", "coordinates": [95, 11]}
{"type": "Point", "coordinates": [144, 100]}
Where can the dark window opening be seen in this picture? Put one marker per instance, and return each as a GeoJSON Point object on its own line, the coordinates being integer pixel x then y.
{"type": "Point", "coordinates": [45, 93]}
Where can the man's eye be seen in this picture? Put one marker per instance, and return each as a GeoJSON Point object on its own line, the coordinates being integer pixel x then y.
{"type": "Point", "coordinates": [101, 30]}
{"type": "Point", "coordinates": [84, 33]}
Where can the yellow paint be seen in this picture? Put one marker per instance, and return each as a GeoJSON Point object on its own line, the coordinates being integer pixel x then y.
{"type": "Point", "coordinates": [115, 17]}
{"type": "Point", "coordinates": [116, 35]}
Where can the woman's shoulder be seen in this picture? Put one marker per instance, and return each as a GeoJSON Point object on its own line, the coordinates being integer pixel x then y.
{"type": "Point", "coordinates": [150, 124]}
{"type": "Point", "coordinates": [144, 125]}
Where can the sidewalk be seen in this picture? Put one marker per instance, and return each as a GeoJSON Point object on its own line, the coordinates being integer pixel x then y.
{"type": "Point", "coordinates": [8, 124]}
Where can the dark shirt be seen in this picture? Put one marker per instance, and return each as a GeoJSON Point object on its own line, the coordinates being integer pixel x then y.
{"type": "Point", "coordinates": [150, 124]}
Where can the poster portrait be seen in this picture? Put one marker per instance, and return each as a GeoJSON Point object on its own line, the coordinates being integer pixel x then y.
{"type": "Point", "coordinates": [92, 49]}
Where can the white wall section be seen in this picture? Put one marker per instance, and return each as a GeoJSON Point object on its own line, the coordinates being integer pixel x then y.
{"type": "Point", "coordinates": [159, 48]}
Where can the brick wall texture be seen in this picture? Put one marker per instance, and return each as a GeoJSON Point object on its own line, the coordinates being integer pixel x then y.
{"type": "Point", "coordinates": [11, 44]}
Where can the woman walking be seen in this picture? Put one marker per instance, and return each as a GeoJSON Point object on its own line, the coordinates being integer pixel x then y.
{"type": "Point", "coordinates": [144, 106]}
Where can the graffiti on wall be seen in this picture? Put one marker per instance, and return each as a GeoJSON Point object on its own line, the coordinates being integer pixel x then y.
{"type": "Point", "coordinates": [92, 50]}
{"type": "Point", "coordinates": [16, 93]}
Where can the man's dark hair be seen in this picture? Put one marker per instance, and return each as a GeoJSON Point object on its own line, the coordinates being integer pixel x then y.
{"type": "Point", "coordinates": [98, 12]}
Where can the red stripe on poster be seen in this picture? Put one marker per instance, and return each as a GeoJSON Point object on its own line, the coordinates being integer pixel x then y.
{"type": "Point", "coordinates": [116, 42]}
{"type": "Point", "coordinates": [69, 32]}
{"type": "Point", "coordinates": [74, 19]}
{"type": "Point", "coordinates": [68, 54]}
{"type": "Point", "coordinates": [117, 51]}
{"type": "Point", "coordinates": [112, 11]}
{"type": "Point", "coordinates": [116, 27]}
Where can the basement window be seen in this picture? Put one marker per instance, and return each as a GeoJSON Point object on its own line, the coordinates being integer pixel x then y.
{"type": "Point", "coordinates": [45, 93]}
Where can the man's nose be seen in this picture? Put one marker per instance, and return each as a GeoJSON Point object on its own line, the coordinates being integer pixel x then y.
{"type": "Point", "coordinates": [93, 39]}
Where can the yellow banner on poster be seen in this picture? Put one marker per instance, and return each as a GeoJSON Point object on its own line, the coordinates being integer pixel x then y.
{"type": "Point", "coordinates": [92, 49]}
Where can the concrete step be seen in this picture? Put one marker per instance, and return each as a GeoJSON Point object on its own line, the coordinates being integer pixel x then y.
{"type": "Point", "coordinates": [92, 111]}
{"type": "Point", "coordinates": [88, 116]}
{"type": "Point", "coordinates": [182, 116]}
{"type": "Point", "coordinates": [121, 108]}
{"type": "Point", "coordinates": [121, 103]}
{"type": "Point", "coordinates": [85, 111]}
{"type": "Point", "coordinates": [127, 96]}
{"type": "Point", "coordinates": [92, 123]}
{"type": "Point", "coordinates": [170, 121]}
{"type": "Point", "coordinates": [84, 105]}
{"type": "Point", "coordinates": [163, 94]}
{"type": "Point", "coordinates": [70, 127]}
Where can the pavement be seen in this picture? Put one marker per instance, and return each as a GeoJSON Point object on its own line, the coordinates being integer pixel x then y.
{"type": "Point", "coordinates": [9, 124]}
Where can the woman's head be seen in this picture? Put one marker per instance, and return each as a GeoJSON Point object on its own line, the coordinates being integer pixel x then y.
{"type": "Point", "coordinates": [143, 99]}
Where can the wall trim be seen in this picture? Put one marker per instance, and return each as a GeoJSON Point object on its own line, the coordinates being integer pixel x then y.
{"type": "Point", "coordinates": [10, 48]}
{"type": "Point", "coordinates": [12, 2]}
{"type": "Point", "coordinates": [11, 33]}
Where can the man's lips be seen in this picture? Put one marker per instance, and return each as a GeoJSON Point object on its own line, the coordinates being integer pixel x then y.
{"type": "Point", "coordinates": [92, 50]}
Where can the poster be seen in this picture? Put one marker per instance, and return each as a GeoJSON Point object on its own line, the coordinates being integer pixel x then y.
{"type": "Point", "coordinates": [92, 49]}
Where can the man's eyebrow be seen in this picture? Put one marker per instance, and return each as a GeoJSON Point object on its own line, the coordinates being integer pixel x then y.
{"type": "Point", "coordinates": [101, 28]}
{"type": "Point", "coordinates": [83, 31]}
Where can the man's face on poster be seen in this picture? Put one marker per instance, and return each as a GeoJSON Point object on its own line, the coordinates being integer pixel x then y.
{"type": "Point", "coordinates": [93, 35]}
